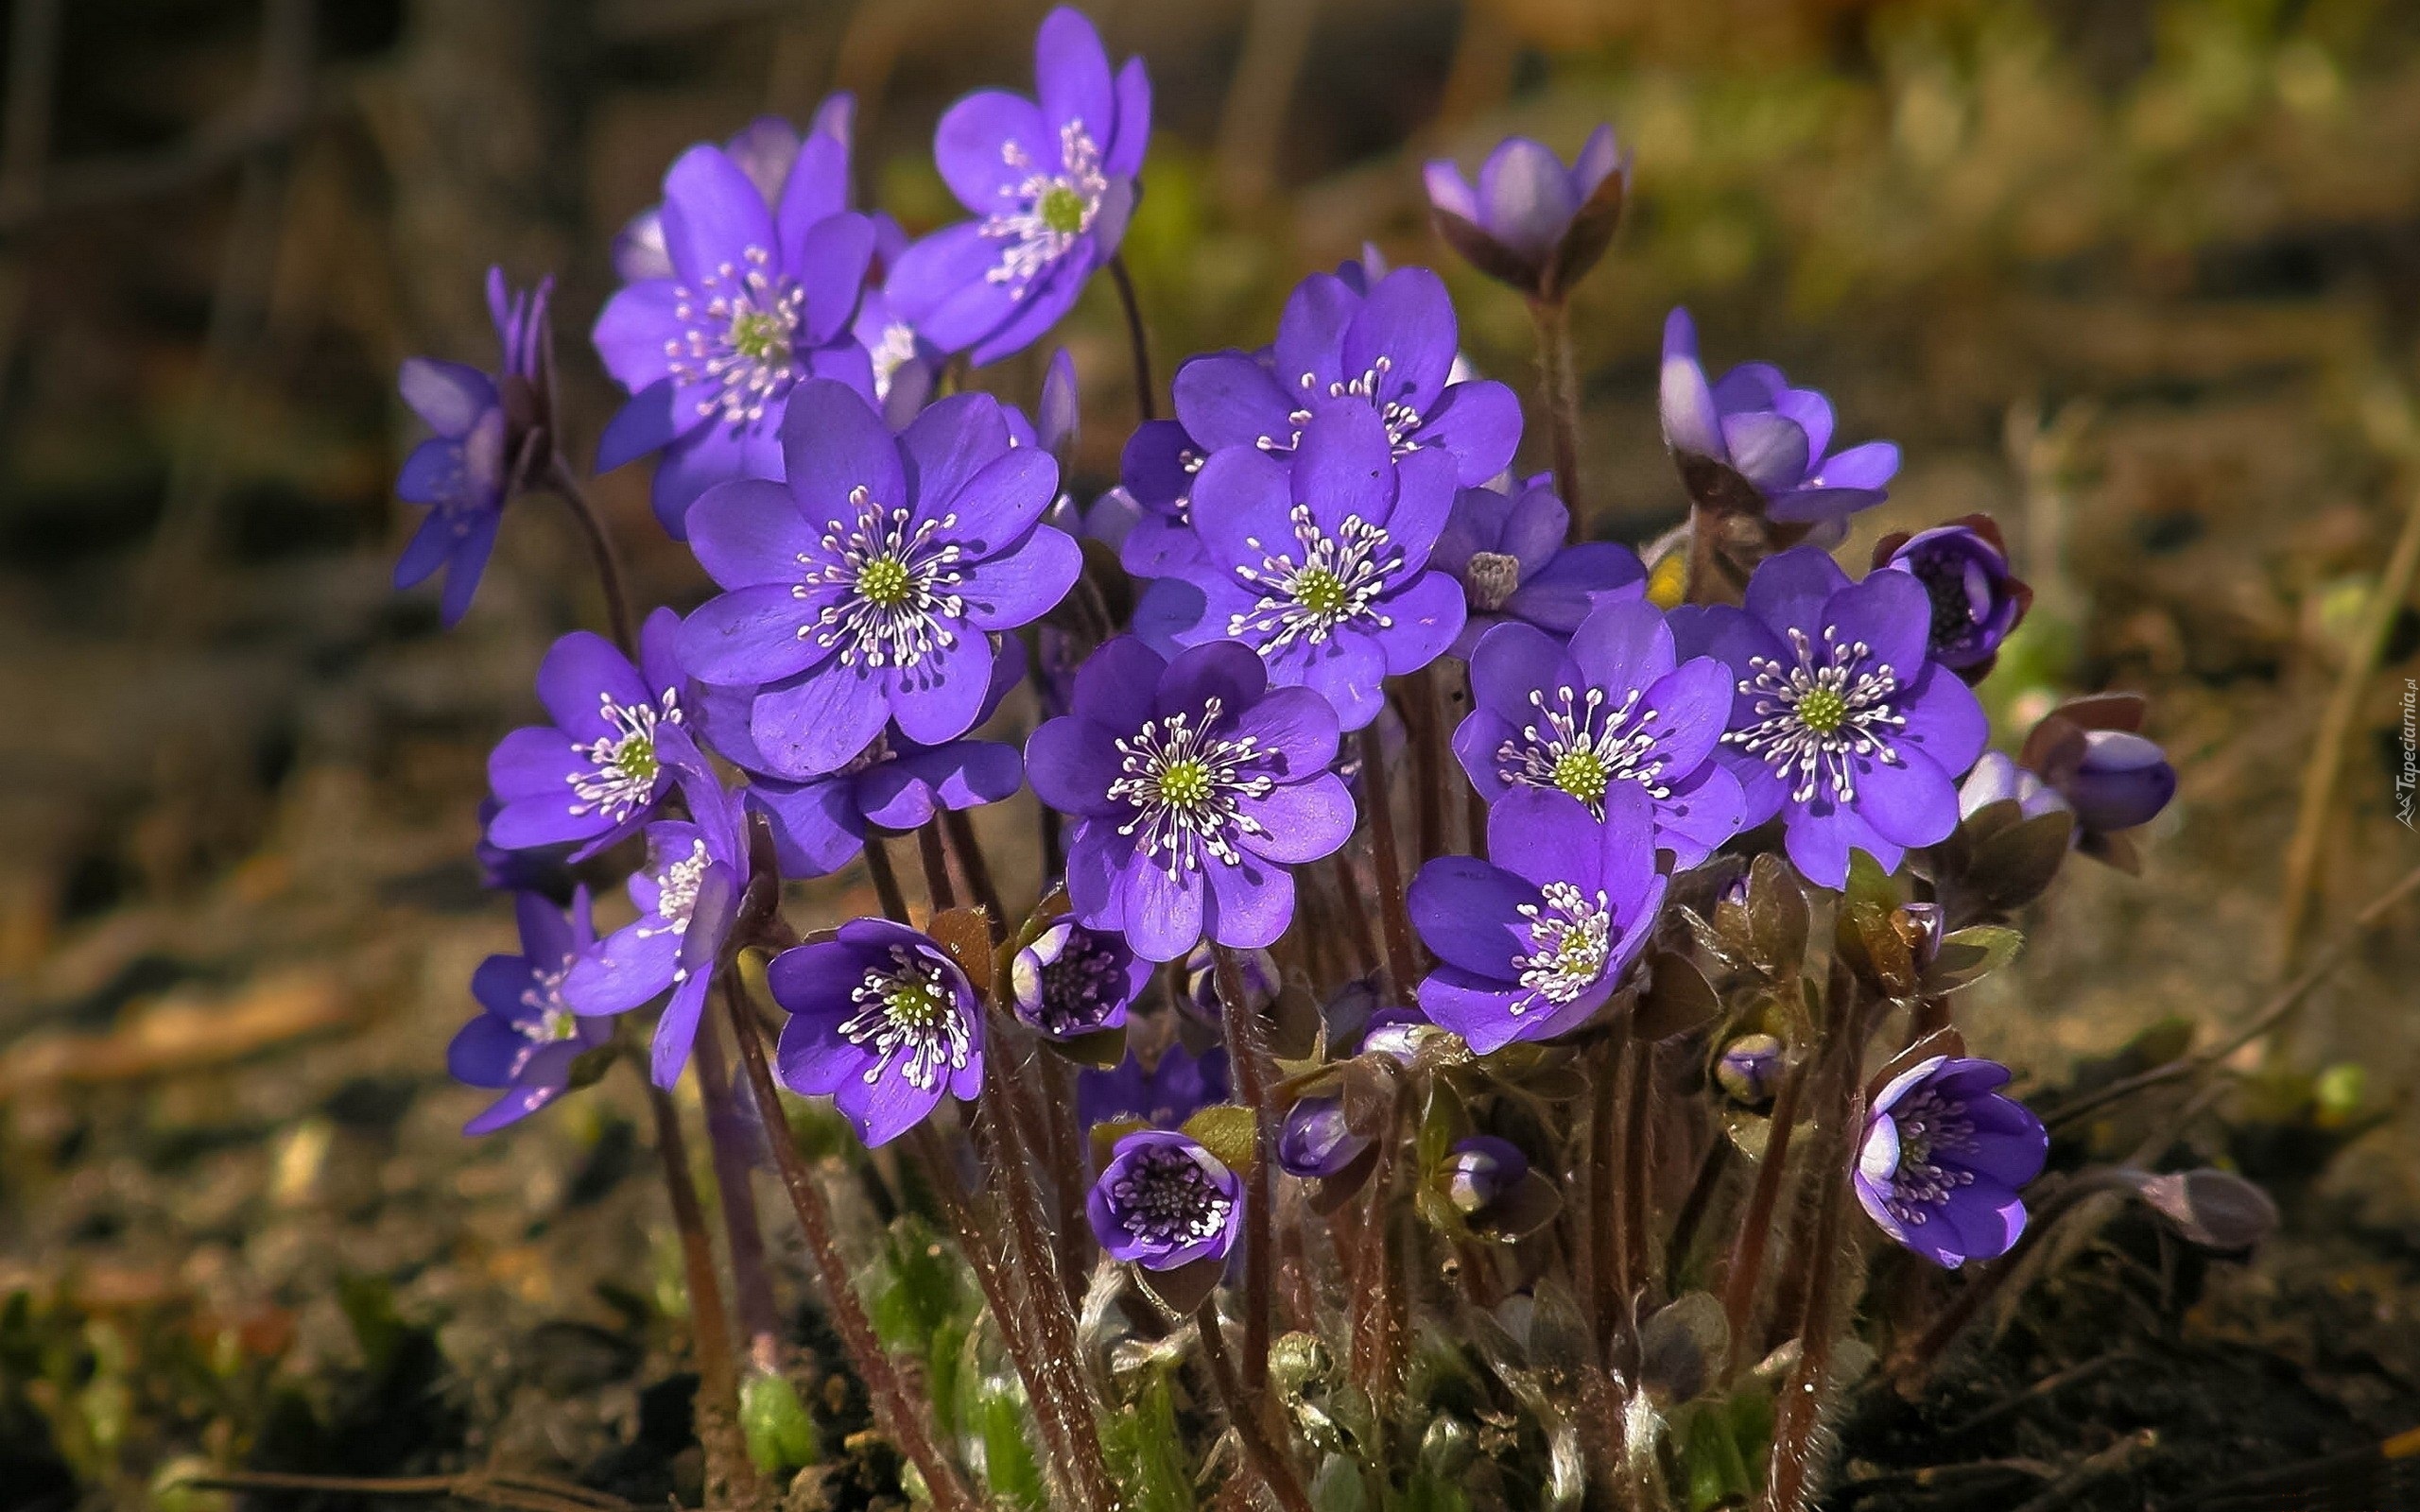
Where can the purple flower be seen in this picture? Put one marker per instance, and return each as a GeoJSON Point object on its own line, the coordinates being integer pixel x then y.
{"type": "Point", "coordinates": [820, 821]}
{"type": "Point", "coordinates": [464, 471]}
{"type": "Point", "coordinates": [1177, 1086]}
{"type": "Point", "coordinates": [1389, 353]}
{"type": "Point", "coordinates": [1976, 600]}
{"type": "Point", "coordinates": [863, 589]}
{"type": "Point", "coordinates": [2117, 781]}
{"type": "Point", "coordinates": [1479, 1172]}
{"type": "Point", "coordinates": [1051, 183]}
{"type": "Point", "coordinates": [1614, 706]}
{"type": "Point", "coordinates": [778, 161]}
{"type": "Point", "coordinates": [1072, 981]}
{"type": "Point", "coordinates": [1530, 950]}
{"type": "Point", "coordinates": [1164, 1202]}
{"type": "Point", "coordinates": [905, 366]}
{"type": "Point", "coordinates": [1841, 722]}
{"type": "Point", "coordinates": [882, 1021]}
{"type": "Point", "coordinates": [1194, 785]}
{"type": "Point", "coordinates": [526, 1038]}
{"type": "Point", "coordinates": [1997, 778]}
{"type": "Point", "coordinates": [1508, 552]}
{"type": "Point", "coordinates": [595, 774]}
{"type": "Point", "coordinates": [759, 300]}
{"type": "Point", "coordinates": [1942, 1158]}
{"type": "Point", "coordinates": [1530, 221]}
{"type": "Point", "coordinates": [1753, 433]}
{"type": "Point", "coordinates": [1319, 562]}
{"type": "Point", "coordinates": [1316, 1142]}
{"type": "Point", "coordinates": [1156, 471]}
{"type": "Point", "coordinates": [688, 895]}
{"type": "Point", "coordinates": [1749, 1069]}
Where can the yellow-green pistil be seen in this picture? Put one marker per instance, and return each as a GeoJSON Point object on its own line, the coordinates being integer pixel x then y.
{"type": "Point", "coordinates": [1184, 783]}
{"type": "Point", "coordinates": [635, 759]}
{"type": "Point", "coordinates": [916, 1003]}
{"type": "Point", "coordinates": [1580, 774]}
{"type": "Point", "coordinates": [760, 335]}
{"type": "Point", "coordinates": [885, 582]}
{"type": "Point", "coordinates": [1823, 711]}
{"type": "Point", "coordinates": [1321, 591]}
{"type": "Point", "coordinates": [1062, 210]}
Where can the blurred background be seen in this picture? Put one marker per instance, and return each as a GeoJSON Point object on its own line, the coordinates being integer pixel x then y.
{"type": "Point", "coordinates": [2140, 277]}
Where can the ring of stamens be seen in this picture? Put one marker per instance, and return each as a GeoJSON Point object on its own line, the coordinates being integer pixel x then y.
{"type": "Point", "coordinates": [1401, 420]}
{"type": "Point", "coordinates": [1045, 214]}
{"type": "Point", "coordinates": [1336, 582]}
{"type": "Point", "coordinates": [549, 1019]}
{"type": "Point", "coordinates": [1571, 938]}
{"type": "Point", "coordinates": [1580, 747]}
{"type": "Point", "coordinates": [1183, 781]}
{"type": "Point", "coordinates": [1929, 1124]}
{"type": "Point", "coordinates": [623, 771]}
{"type": "Point", "coordinates": [1818, 715]}
{"type": "Point", "coordinates": [897, 579]}
{"type": "Point", "coordinates": [908, 1006]}
{"type": "Point", "coordinates": [1163, 1197]}
{"type": "Point", "coordinates": [739, 338]}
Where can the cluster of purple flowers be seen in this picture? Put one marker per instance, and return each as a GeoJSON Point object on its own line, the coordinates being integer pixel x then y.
{"type": "Point", "coordinates": [1327, 522]}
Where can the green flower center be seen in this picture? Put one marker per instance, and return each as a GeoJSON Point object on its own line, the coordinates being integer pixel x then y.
{"type": "Point", "coordinates": [915, 1003]}
{"type": "Point", "coordinates": [1184, 783]}
{"type": "Point", "coordinates": [1580, 774]}
{"type": "Point", "coordinates": [760, 335]}
{"type": "Point", "coordinates": [635, 758]}
{"type": "Point", "coordinates": [885, 583]}
{"type": "Point", "coordinates": [1321, 591]}
{"type": "Point", "coordinates": [1062, 210]}
{"type": "Point", "coordinates": [1823, 711]}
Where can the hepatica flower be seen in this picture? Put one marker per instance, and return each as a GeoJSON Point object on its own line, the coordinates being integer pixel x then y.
{"type": "Point", "coordinates": [1071, 981]}
{"type": "Point", "coordinates": [1389, 353]}
{"type": "Point", "coordinates": [1530, 949]}
{"type": "Point", "coordinates": [1751, 440]}
{"type": "Point", "coordinates": [1320, 562]}
{"type": "Point", "coordinates": [1841, 722]}
{"type": "Point", "coordinates": [759, 300]}
{"type": "Point", "coordinates": [1614, 708]}
{"type": "Point", "coordinates": [688, 895]}
{"type": "Point", "coordinates": [526, 1036]}
{"type": "Point", "coordinates": [462, 472]}
{"type": "Point", "coordinates": [595, 774]}
{"type": "Point", "coordinates": [1506, 551]}
{"type": "Point", "coordinates": [821, 820]}
{"type": "Point", "coordinates": [1176, 1087]}
{"type": "Point", "coordinates": [778, 160]}
{"type": "Point", "coordinates": [1164, 1202]}
{"type": "Point", "coordinates": [1316, 1140]}
{"type": "Point", "coordinates": [1976, 600]}
{"type": "Point", "coordinates": [861, 591]}
{"type": "Point", "coordinates": [882, 1021]}
{"type": "Point", "coordinates": [1942, 1157]}
{"type": "Point", "coordinates": [1050, 182]}
{"type": "Point", "coordinates": [1194, 785]}
{"type": "Point", "coordinates": [1530, 221]}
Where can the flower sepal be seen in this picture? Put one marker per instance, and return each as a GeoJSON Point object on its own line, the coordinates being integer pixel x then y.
{"type": "Point", "coordinates": [1865, 937]}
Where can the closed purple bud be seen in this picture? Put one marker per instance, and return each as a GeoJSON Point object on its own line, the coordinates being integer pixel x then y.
{"type": "Point", "coordinates": [2122, 781]}
{"type": "Point", "coordinates": [1976, 601]}
{"type": "Point", "coordinates": [1258, 969]}
{"type": "Point", "coordinates": [1530, 221]}
{"type": "Point", "coordinates": [1073, 981]}
{"type": "Point", "coordinates": [1749, 1069]}
{"type": "Point", "coordinates": [1997, 778]}
{"type": "Point", "coordinates": [1316, 1140]}
{"type": "Point", "coordinates": [1164, 1202]}
{"type": "Point", "coordinates": [1478, 1171]}
{"type": "Point", "coordinates": [1396, 1034]}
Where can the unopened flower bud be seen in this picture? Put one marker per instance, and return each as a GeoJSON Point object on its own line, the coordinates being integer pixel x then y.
{"type": "Point", "coordinates": [1258, 969]}
{"type": "Point", "coordinates": [1749, 1069]}
{"type": "Point", "coordinates": [1479, 1171]}
{"type": "Point", "coordinates": [1316, 1140]}
{"type": "Point", "coordinates": [2122, 781]}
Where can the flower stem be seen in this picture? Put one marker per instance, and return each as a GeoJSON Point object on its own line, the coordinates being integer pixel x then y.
{"type": "Point", "coordinates": [1401, 961]}
{"type": "Point", "coordinates": [1609, 1290]}
{"type": "Point", "coordinates": [1137, 339]}
{"type": "Point", "coordinates": [1356, 913]}
{"type": "Point", "coordinates": [730, 1479]}
{"type": "Point", "coordinates": [1559, 393]}
{"type": "Point", "coordinates": [1263, 1456]}
{"type": "Point", "coordinates": [939, 891]}
{"type": "Point", "coordinates": [601, 548]}
{"type": "Point", "coordinates": [1638, 1162]}
{"type": "Point", "coordinates": [1247, 1055]}
{"type": "Point", "coordinates": [901, 1417]}
{"type": "Point", "coordinates": [751, 1281]}
{"type": "Point", "coordinates": [1432, 763]}
{"type": "Point", "coordinates": [1791, 1471]}
{"type": "Point", "coordinates": [960, 831]}
{"type": "Point", "coordinates": [886, 880]}
{"type": "Point", "coordinates": [1694, 1207]}
{"type": "Point", "coordinates": [1756, 1221]}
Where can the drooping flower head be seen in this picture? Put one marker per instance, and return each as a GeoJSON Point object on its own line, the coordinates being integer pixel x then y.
{"type": "Point", "coordinates": [759, 300]}
{"type": "Point", "coordinates": [525, 1037]}
{"type": "Point", "coordinates": [1530, 221]}
{"type": "Point", "coordinates": [463, 472]}
{"type": "Point", "coordinates": [882, 1021]}
{"type": "Point", "coordinates": [1507, 550]}
{"type": "Point", "coordinates": [1318, 561]}
{"type": "Point", "coordinates": [1195, 786]}
{"type": "Point", "coordinates": [1976, 601]}
{"type": "Point", "coordinates": [1171, 1089]}
{"type": "Point", "coordinates": [1164, 1201]}
{"type": "Point", "coordinates": [1388, 353]}
{"type": "Point", "coordinates": [688, 896]}
{"type": "Point", "coordinates": [864, 589]}
{"type": "Point", "coordinates": [821, 820]}
{"type": "Point", "coordinates": [1071, 981]}
{"type": "Point", "coordinates": [591, 778]}
{"type": "Point", "coordinates": [1050, 182]}
{"type": "Point", "coordinates": [2091, 752]}
{"type": "Point", "coordinates": [1841, 721]}
{"type": "Point", "coordinates": [1532, 948]}
{"type": "Point", "coordinates": [1751, 439]}
{"type": "Point", "coordinates": [1613, 706]}
{"type": "Point", "coordinates": [1942, 1156]}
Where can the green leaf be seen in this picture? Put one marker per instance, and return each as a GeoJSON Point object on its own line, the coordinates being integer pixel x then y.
{"type": "Point", "coordinates": [1011, 1470]}
{"type": "Point", "coordinates": [916, 1288]}
{"type": "Point", "coordinates": [1713, 1473]}
{"type": "Point", "coordinates": [1431, 1492]}
{"type": "Point", "coordinates": [781, 1436]}
{"type": "Point", "coordinates": [1968, 955]}
{"type": "Point", "coordinates": [1227, 1130]}
{"type": "Point", "coordinates": [1147, 1454]}
{"type": "Point", "coordinates": [1338, 1486]}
